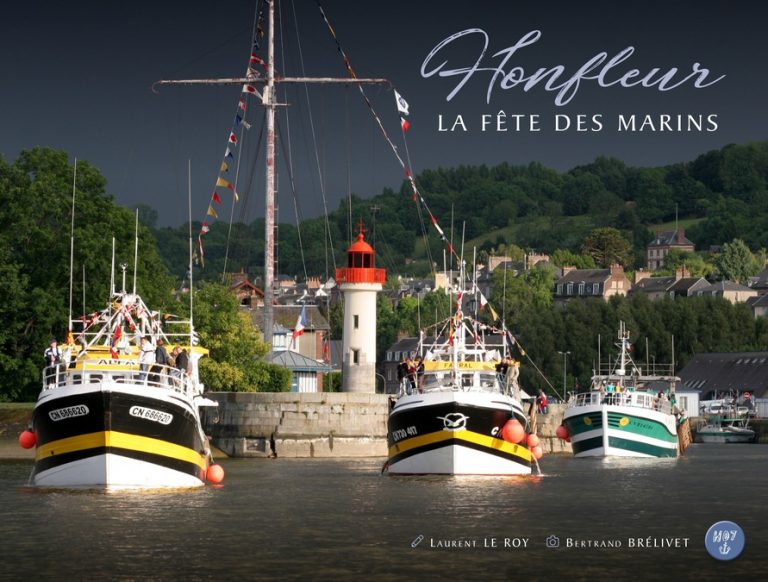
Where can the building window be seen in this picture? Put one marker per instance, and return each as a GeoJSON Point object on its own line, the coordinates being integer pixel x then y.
{"type": "Point", "coordinates": [581, 288]}
{"type": "Point", "coordinates": [356, 320]}
{"type": "Point", "coordinates": [356, 357]}
{"type": "Point", "coordinates": [559, 288]}
{"type": "Point", "coordinates": [569, 289]}
{"type": "Point", "coordinates": [596, 289]}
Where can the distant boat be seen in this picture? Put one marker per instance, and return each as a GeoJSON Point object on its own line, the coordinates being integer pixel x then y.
{"type": "Point", "coordinates": [101, 421]}
{"type": "Point", "coordinates": [461, 418]}
{"type": "Point", "coordinates": [727, 427]}
{"type": "Point", "coordinates": [624, 414]}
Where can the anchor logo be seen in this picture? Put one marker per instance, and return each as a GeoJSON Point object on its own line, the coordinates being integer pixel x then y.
{"type": "Point", "coordinates": [454, 421]}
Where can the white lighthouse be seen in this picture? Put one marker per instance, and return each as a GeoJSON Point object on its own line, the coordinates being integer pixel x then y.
{"type": "Point", "coordinates": [359, 281]}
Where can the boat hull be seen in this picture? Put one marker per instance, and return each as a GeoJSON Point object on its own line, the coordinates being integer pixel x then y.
{"type": "Point", "coordinates": [606, 430]}
{"type": "Point", "coordinates": [726, 436]}
{"type": "Point", "coordinates": [455, 433]}
{"type": "Point", "coordinates": [118, 435]}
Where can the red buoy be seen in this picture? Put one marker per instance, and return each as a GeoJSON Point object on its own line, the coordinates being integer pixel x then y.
{"type": "Point", "coordinates": [27, 439]}
{"type": "Point", "coordinates": [537, 452]}
{"type": "Point", "coordinates": [561, 432]}
{"type": "Point", "coordinates": [533, 440]}
{"type": "Point", "coordinates": [513, 431]}
{"type": "Point", "coordinates": [215, 474]}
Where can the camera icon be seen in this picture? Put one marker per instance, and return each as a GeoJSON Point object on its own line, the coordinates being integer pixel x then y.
{"type": "Point", "coordinates": [553, 542]}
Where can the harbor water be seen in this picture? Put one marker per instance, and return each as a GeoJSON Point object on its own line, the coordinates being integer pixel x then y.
{"type": "Point", "coordinates": [340, 519]}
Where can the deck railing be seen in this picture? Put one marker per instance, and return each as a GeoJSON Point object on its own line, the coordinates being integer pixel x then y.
{"type": "Point", "coordinates": [158, 376]}
{"type": "Point", "coordinates": [635, 399]}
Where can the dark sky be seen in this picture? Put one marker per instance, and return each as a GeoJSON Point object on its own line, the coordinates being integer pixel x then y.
{"type": "Point", "coordinates": [77, 76]}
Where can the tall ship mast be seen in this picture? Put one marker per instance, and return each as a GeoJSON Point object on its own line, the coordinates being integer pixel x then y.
{"type": "Point", "coordinates": [267, 95]}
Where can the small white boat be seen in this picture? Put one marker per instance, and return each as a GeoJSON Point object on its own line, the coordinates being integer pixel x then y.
{"type": "Point", "coordinates": [726, 430]}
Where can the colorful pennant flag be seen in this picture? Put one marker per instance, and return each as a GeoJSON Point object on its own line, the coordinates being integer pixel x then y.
{"type": "Point", "coordinates": [212, 212]}
{"type": "Point", "coordinates": [216, 198]}
{"type": "Point", "coordinates": [404, 124]}
{"type": "Point", "coordinates": [232, 138]}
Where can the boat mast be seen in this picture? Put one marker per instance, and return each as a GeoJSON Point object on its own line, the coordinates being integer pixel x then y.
{"type": "Point", "coordinates": [72, 249]}
{"type": "Point", "coordinates": [268, 100]}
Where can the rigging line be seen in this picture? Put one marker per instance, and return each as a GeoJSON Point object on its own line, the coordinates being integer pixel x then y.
{"type": "Point", "coordinates": [349, 173]}
{"type": "Point", "coordinates": [247, 197]}
{"type": "Point", "coordinates": [386, 252]}
{"type": "Point", "coordinates": [254, 33]}
{"type": "Point", "coordinates": [408, 174]}
{"type": "Point", "coordinates": [329, 238]}
{"type": "Point", "coordinates": [289, 154]}
{"type": "Point", "coordinates": [424, 234]}
{"type": "Point", "coordinates": [295, 204]}
{"type": "Point", "coordinates": [232, 210]}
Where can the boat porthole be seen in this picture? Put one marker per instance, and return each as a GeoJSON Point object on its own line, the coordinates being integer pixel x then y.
{"type": "Point", "coordinates": [624, 421]}
{"type": "Point", "coordinates": [587, 421]}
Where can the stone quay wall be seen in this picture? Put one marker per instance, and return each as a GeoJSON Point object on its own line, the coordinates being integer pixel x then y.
{"type": "Point", "coordinates": [320, 424]}
{"type": "Point", "coordinates": [293, 424]}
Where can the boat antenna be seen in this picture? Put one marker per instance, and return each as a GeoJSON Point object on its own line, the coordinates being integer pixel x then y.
{"type": "Point", "coordinates": [72, 247]}
{"type": "Point", "coordinates": [135, 250]}
{"type": "Point", "coordinates": [112, 271]}
{"type": "Point", "coordinates": [191, 294]}
{"type": "Point", "coordinates": [83, 288]}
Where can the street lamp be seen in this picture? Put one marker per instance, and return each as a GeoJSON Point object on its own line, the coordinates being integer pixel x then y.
{"type": "Point", "coordinates": [565, 360]}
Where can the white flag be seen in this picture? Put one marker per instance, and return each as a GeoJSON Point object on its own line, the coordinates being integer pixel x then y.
{"type": "Point", "coordinates": [402, 104]}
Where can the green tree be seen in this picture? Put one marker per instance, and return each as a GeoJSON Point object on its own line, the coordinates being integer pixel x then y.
{"type": "Point", "coordinates": [235, 345]}
{"type": "Point", "coordinates": [736, 262]}
{"type": "Point", "coordinates": [695, 264]}
{"type": "Point", "coordinates": [607, 246]}
{"type": "Point", "coordinates": [36, 213]}
{"type": "Point", "coordinates": [566, 258]}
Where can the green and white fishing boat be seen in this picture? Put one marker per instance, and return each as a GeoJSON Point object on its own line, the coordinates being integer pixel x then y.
{"type": "Point", "coordinates": [626, 413]}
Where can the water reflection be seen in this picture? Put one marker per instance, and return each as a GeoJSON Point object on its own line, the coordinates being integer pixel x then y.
{"type": "Point", "coordinates": [335, 519]}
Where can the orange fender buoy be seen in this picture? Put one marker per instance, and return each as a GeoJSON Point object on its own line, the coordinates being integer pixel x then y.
{"type": "Point", "coordinates": [215, 474]}
{"type": "Point", "coordinates": [513, 431]}
{"type": "Point", "coordinates": [27, 439]}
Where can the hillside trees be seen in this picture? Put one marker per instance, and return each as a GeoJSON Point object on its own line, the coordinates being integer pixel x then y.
{"type": "Point", "coordinates": [36, 211]}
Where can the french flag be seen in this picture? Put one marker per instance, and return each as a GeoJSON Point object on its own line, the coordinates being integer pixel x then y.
{"type": "Point", "coordinates": [301, 323]}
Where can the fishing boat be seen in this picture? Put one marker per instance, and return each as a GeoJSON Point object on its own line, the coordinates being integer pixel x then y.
{"type": "Point", "coordinates": [103, 420]}
{"type": "Point", "coordinates": [626, 413]}
{"type": "Point", "coordinates": [727, 427]}
{"type": "Point", "coordinates": [462, 417]}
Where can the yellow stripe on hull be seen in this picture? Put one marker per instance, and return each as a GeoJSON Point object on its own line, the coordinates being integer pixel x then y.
{"type": "Point", "coordinates": [461, 435]}
{"type": "Point", "coordinates": [120, 440]}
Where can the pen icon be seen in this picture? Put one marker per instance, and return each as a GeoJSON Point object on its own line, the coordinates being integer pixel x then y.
{"type": "Point", "coordinates": [417, 541]}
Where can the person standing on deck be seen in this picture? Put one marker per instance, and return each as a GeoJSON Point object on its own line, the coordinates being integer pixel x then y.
{"type": "Point", "coordinates": [146, 357]}
{"type": "Point", "coordinates": [52, 357]}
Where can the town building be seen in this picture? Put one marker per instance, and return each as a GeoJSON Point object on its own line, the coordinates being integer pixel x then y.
{"type": "Point", "coordinates": [583, 283]}
{"type": "Point", "coordinates": [678, 285]}
{"type": "Point", "coordinates": [658, 249]}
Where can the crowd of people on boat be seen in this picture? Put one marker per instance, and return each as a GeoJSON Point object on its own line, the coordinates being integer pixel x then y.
{"type": "Point", "coordinates": [156, 365]}
{"type": "Point", "coordinates": [410, 374]}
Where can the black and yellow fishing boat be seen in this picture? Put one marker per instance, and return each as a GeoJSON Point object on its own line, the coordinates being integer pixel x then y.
{"type": "Point", "coordinates": [461, 416]}
{"type": "Point", "coordinates": [111, 418]}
